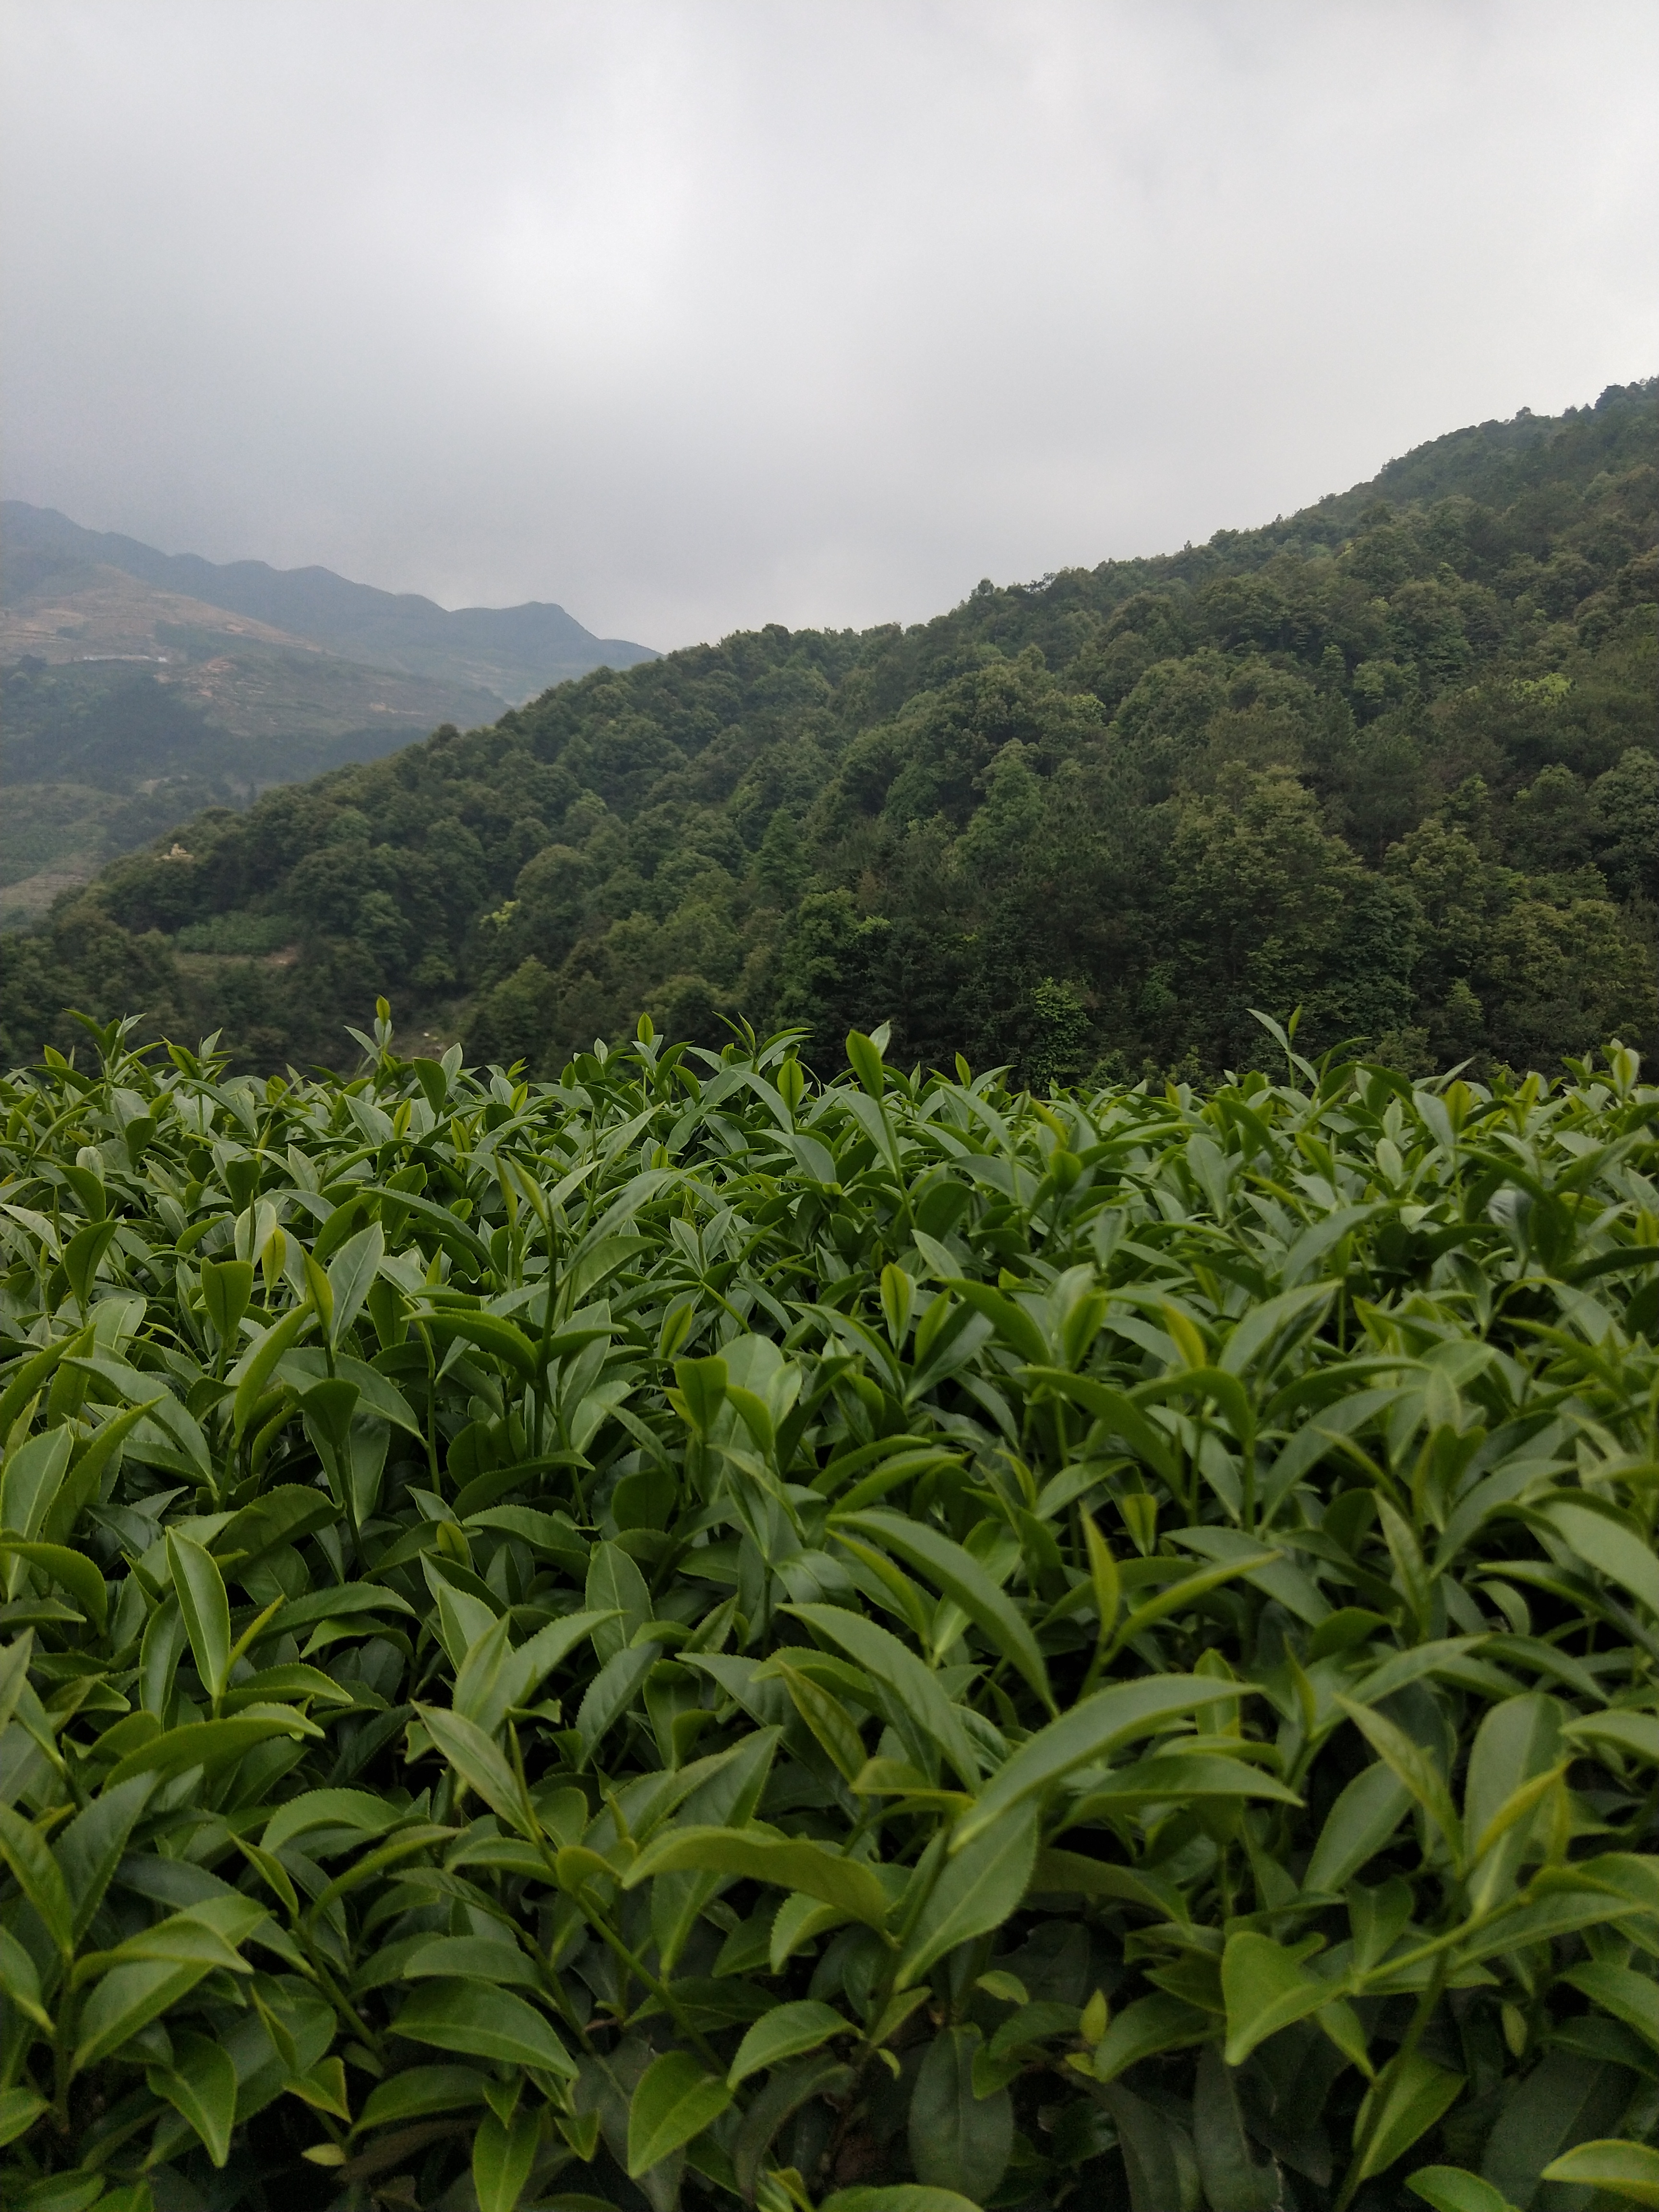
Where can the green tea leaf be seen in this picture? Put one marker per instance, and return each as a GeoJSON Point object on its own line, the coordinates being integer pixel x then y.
{"type": "Point", "coordinates": [962, 1578]}
{"type": "Point", "coordinates": [1062, 1870]}
{"type": "Point", "coordinates": [616, 1588]}
{"type": "Point", "coordinates": [502, 2158]}
{"type": "Point", "coordinates": [259, 1363]}
{"type": "Point", "coordinates": [211, 1743]}
{"type": "Point", "coordinates": [1118, 1411]}
{"type": "Point", "coordinates": [128, 1999]}
{"type": "Point", "coordinates": [495, 1676]}
{"type": "Point", "coordinates": [200, 1590]}
{"type": "Point", "coordinates": [19, 2110]}
{"type": "Point", "coordinates": [480, 1765]}
{"type": "Point", "coordinates": [977, 1889]}
{"type": "Point", "coordinates": [206, 1935]}
{"type": "Point", "coordinates": [489, 1333]}
{"type": "Point", "coordinates": [20, 1980]}
{"type": "Point", "coordinates": [485, 2022]}
{"type": "Point", "coordinates": [350, 1272]}
{"type": "Point", "coordinates": [785, 2032]}
{"type": "Point", "coordinates": [1146, 2027]}
{"type": "Point", "coordinates": [1634, 1734]}
{"type": "Point", "coordinates": [1359, 1824]}
{"type": "Point", "coordinates": [1234, 2180]}
{"type": "Point", "coordinates": [913, 1686]}
{"type": "Point", "coordinates": [1514, 1755]}
{"type": "Point", "coordinates": [1630, 1996]}
{"type": "Point", "coordinates": [1159, 2163]}
{"type": "Point", "coordinates": [24, 1849]}
{"type": "Point", "coordinates": [1403, 2104]}
{"type": "Point", "coordinates": [675, 2099]}
{"type": "Point", "coordinates": [1011, 1322]}
{"type": "Point", "coordinates": [958, 2141]}
{"type": "Point", "coordinates": [1568, 2100]}
{"type": "Point", "coordinates": [201, 2086]}
{"type": "Point", "coordinates": [82, 1255]}
{"type": "Point", "coordinates": [227, 1287]}
{"type": "Point", "coordinates": [73, 1570]}
{"type": "Point", "coordinates": [418, 2092]}
{"type": "Point", "coordinates": [760, 1854]}
{"type": "Point", "coordinates": [84, 1479]}
{"type": "Point", "coordinates": [863, 1056]}
{"type": "Point", "coordinates": [1265, 1991]}
{"type": "Point", "coordinates": [1178, 1780]}
{"type": "Point", "coordinates": [908, 2197]}
{"type": "Point", "coordinates": [1613, 1549]}
{"type": "Point", "coordinates": [1628, 2170]}
{"type": "Point", "coordinates": [472, 1958]}
{"type": "Point", "coordinates": [612, 1691]}
{"type": "Point", "coordinates": [1450, 2189]}
{"type": "Point", "coordinates": [33, 1472]}
{"type": "Point", "coordinates": [1089, 1731]}
{"type": "Point", "coordinates": [1412, 1765]}
{"type": "Point", "coordinates": [828, 1718]}
{"type": "Point", "coordinates": [355, 1809]}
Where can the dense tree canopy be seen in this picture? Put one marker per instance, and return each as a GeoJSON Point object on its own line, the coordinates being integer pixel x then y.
{"type": "Point", "coordinates": [1391, 760]}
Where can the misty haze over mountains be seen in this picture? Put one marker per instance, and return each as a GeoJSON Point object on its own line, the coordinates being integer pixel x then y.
{"type": "Point", "coordinates": [137, 686]}
{"type": "Point", "coordinates": [512, 652]}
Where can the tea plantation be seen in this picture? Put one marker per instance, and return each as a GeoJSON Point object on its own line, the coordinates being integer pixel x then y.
{"type": "Point", "coordinates": [686, 1637]}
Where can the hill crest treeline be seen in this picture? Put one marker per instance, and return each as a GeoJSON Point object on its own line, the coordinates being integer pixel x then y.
{"type": "Point", "coordinates": [1391, 759]}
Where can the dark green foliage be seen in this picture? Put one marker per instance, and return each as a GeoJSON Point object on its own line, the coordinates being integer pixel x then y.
{"type": "Point", "coordinates": [1391, 760]}
{"type": "Point", "coordinates": [682, 1638]}
{"type": "Point", "coordinates": [100, 758]}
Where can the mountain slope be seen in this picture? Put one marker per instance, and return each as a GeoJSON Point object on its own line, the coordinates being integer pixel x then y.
{"type": "Point", "coordinates": [126, 707]}
{"type": "Point", "coordinates": [138, 686]}
{"type": "Point", "coordinates": [509, 651]}
{"type": "Point", "coordinates": [255, 682]}
{"type": "Point", "coordinates": [1391, 760]}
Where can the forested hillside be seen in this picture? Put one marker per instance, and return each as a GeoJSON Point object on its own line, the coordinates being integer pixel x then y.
{"type": "Point", "coordinates": [1391, 760]}
{"type": "Point", "coordinates": [139, 687]}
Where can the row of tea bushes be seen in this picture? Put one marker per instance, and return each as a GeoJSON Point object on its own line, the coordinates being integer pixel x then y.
{"type": "Point", "coordinates": [690, 1637]}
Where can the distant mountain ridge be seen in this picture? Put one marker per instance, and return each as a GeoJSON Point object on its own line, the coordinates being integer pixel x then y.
{"type": "Point", "coordinates": [137, 687]}
{"type": "Point", "coordinates": [1391, 760]}
{"type": "Point", "coordinates": [512, 652]}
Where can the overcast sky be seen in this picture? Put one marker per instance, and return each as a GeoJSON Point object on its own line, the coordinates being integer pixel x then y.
{"type": "Point", "coordinates": [696, 316]}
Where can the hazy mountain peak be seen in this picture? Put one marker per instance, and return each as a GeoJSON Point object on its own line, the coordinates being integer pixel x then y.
{"type": "Point", "coordinates": [512, 652]}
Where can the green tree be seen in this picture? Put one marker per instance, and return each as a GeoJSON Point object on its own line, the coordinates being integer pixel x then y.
{"type": "Point", "coordinates": [1625, 824]}
{"type": "Point", "coordinates": [782, 866]}
{"type": "Point", "coordinates": [1556, 980]}
{"type": "Point", "coordinates": [688, 1008]}
{"type": "Point", "coordinates": [1550, 829]}
{"type": "Point", "coordinates": [1060, 1053]}
{"type": "Point", "coordinates": [551, 891]}
{"type": "Point", "coordinates": [1259, 894]}
{"type": "Point", "coordinates": [516, 1020]}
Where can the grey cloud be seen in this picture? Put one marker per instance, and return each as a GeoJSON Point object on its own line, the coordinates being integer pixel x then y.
{"type": "Point", "coordinates": [697, 315]}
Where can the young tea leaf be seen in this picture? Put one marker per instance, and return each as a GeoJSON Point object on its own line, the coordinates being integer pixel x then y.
{"type": "Point", "coordinates": [675, 2101]}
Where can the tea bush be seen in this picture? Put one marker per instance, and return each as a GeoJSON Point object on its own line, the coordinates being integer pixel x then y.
{"type": "Point", "coordinates": [686, 1636]}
